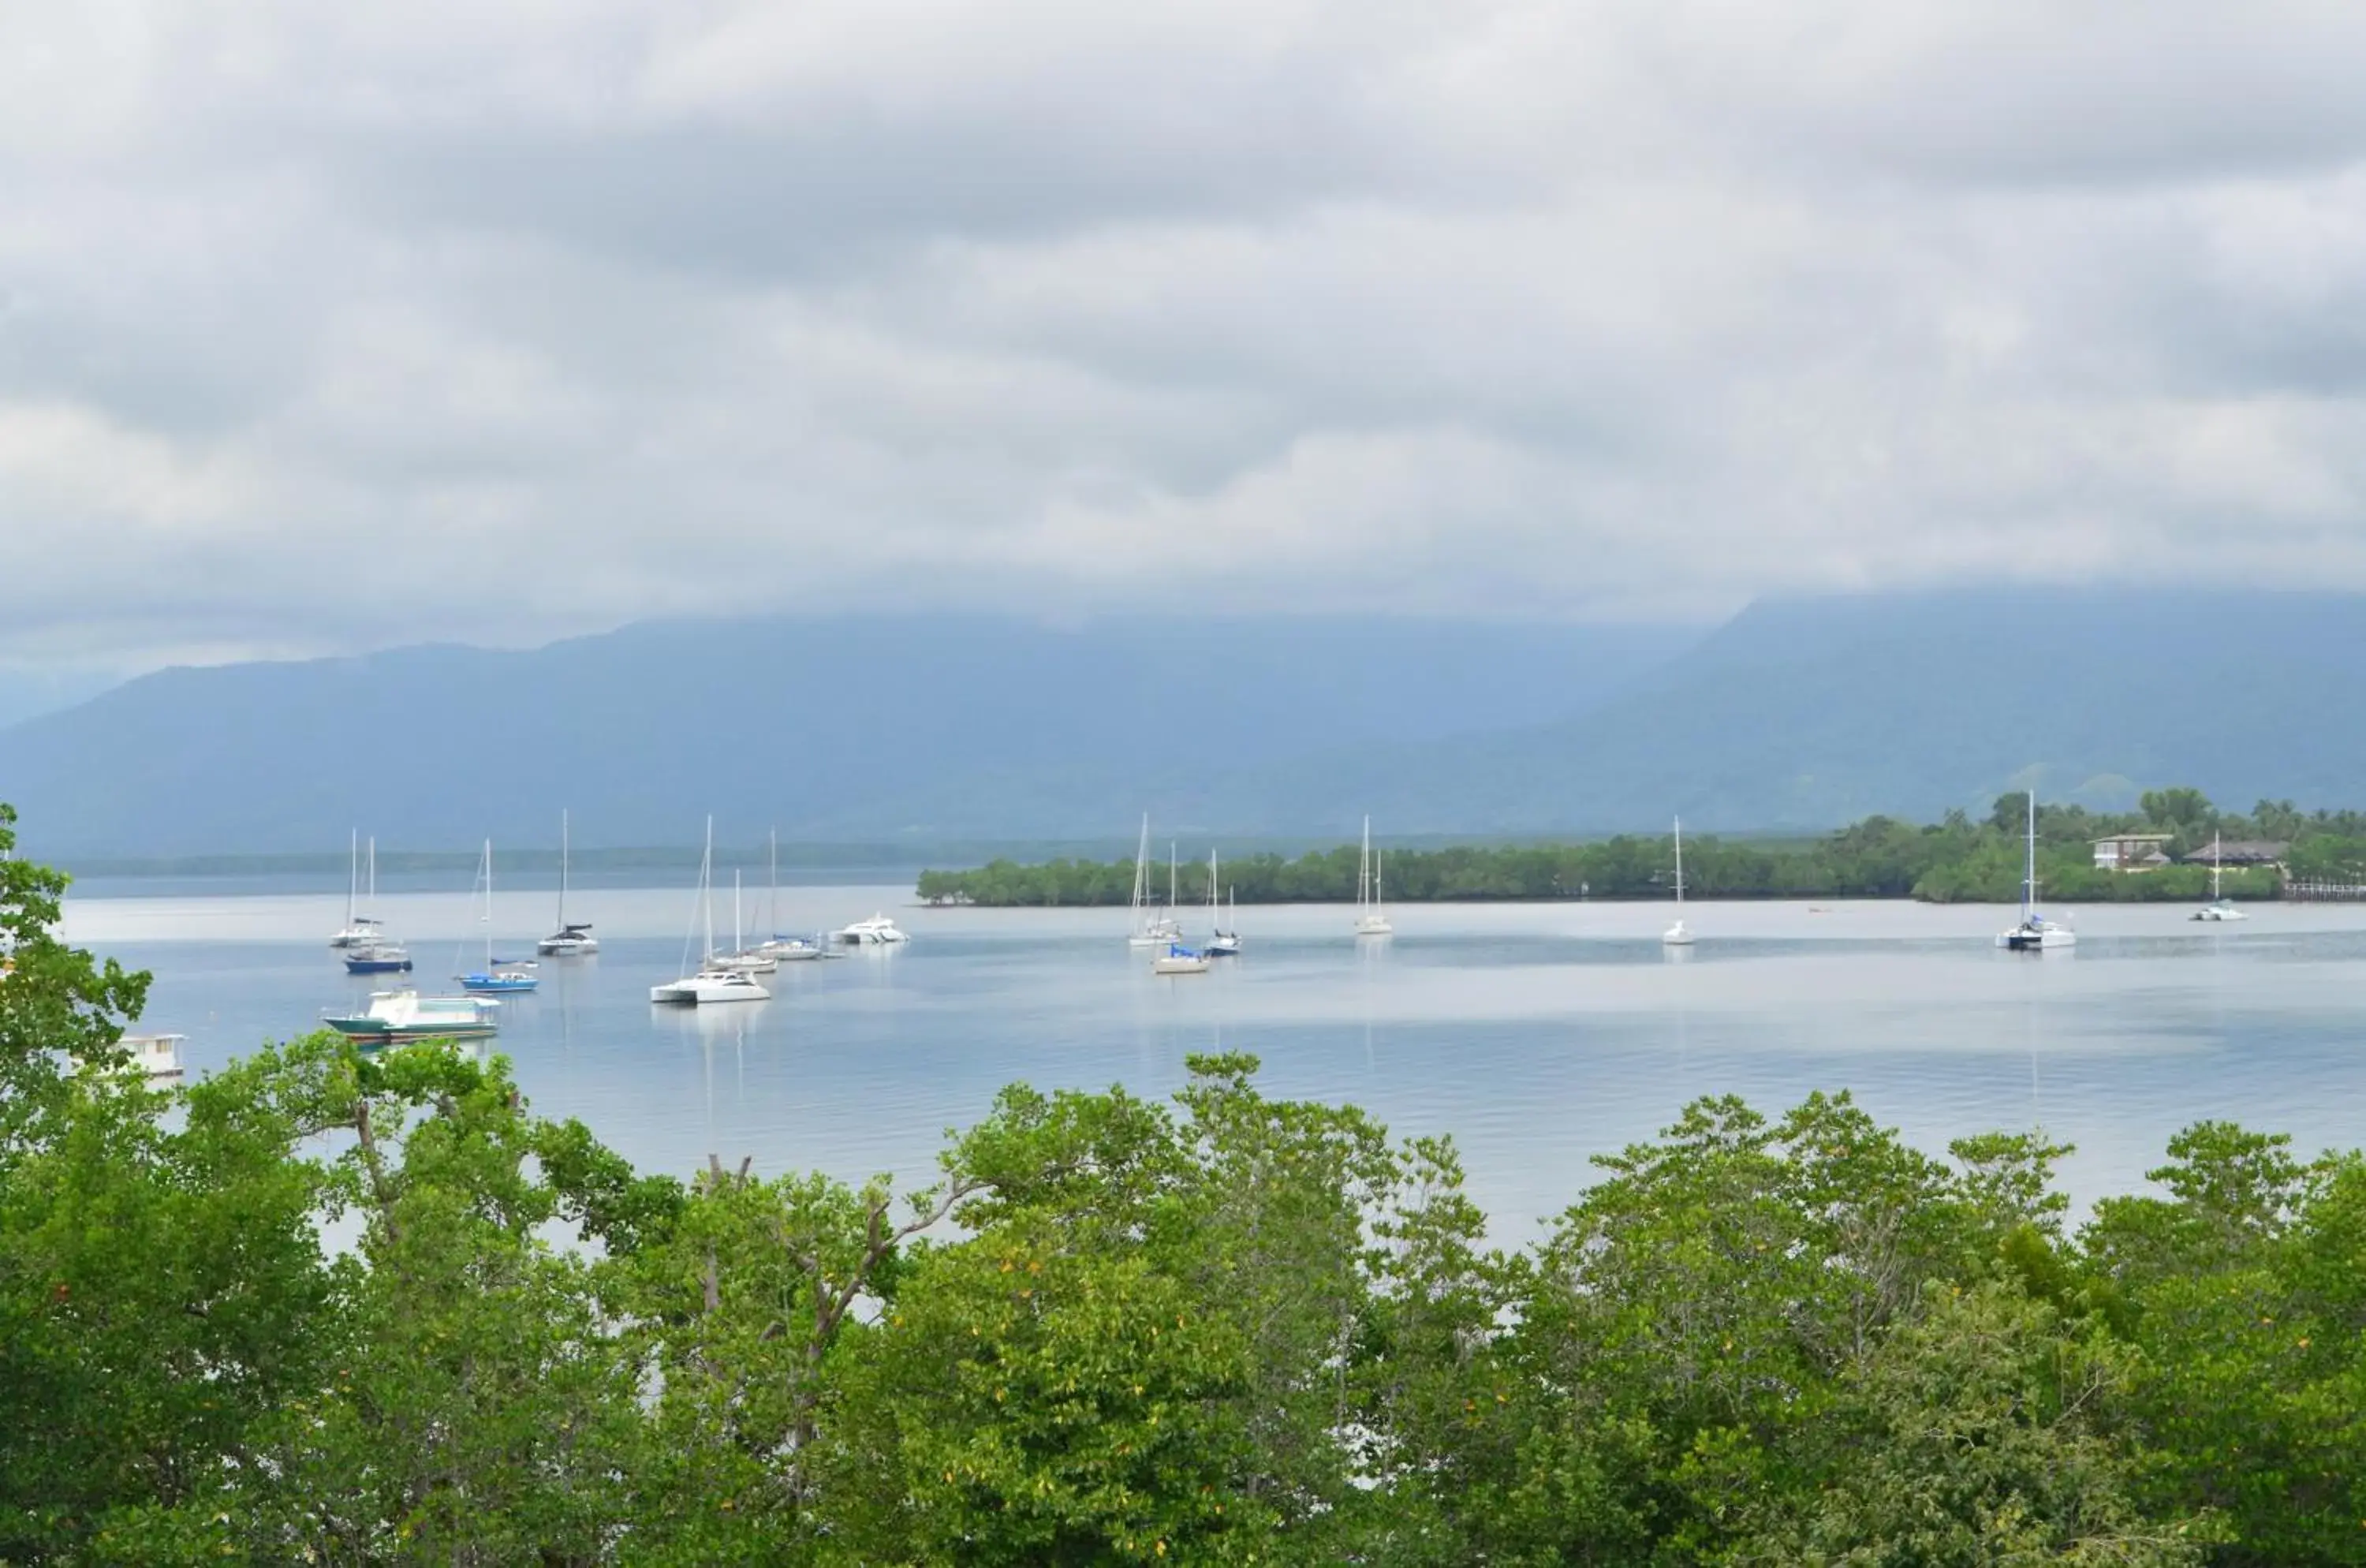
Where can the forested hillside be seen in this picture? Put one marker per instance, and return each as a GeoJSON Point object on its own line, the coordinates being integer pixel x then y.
{"type": "Point", "coordinates": [1952, 860]}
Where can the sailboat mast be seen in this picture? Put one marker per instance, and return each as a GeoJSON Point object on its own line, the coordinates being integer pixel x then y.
{"type": "Point", "coordinates": [353, 874]}
{"type": "Point", "coordinates": [489, 905]}
{"type": "Point", "coordinates": [373, 871]}
{"type": "Point", "coordinates": [562, 868]}
{"type": "Point", "coordinates": [2213, 864]}
{"type": "Point", "coordinates": [738, 940]}
{"type": "Point", "coordinates": [2029, 877]}
{"type": "Point", "coordinates": [706, 882]}
{"type": "Point", "coordinates": [1170, 878]}
{"type": "Point", "coordinates": [772, 907]}
{"type": "Point", "coordinates": [1680, 862]}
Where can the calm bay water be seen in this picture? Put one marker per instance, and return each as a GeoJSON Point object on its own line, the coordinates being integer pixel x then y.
{"type": "Point", "coordinates": [1537, 1035]}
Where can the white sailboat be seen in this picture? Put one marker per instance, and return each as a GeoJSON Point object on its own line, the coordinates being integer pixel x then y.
{"type": "Point", "coordinates": [572, 939]}
{"type": "Point", "coordinates": [1147, 932]}
{"type": "Point", "coordinates": [708, 984]}
{"type": "Point", "coordinates": [360, 929]}
{"type": "Point", "coordinates": [743, 959]}
{"type": "Point", "coordinates": [1222, 944]}
{"type": "Point", "coordinates": [1372, 919]}
{"type": "Point", "coordinates": [2035, 934]}
{"type": "Point", "coordinates": [2220, 907]}
{"type": "Point", "coordinates": [1679, 934]}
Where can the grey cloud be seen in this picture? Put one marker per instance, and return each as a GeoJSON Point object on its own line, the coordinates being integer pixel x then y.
{"type": "Point", "coordinates": [322, 327]}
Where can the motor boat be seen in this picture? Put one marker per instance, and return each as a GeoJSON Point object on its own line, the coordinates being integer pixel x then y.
{"type": "Point", "coordinates": [1179, 960]}
{"type": "Point", "coordinates": [400, 1018]}
{"type": "Point", "coordinates": [1677, 935]}
{"type": "Point", "coordinates": [573, 940]}
{"type": "Point", "coordinates": [876, 930]}
{"type": "Point", "coordinates": [381, 958]}
{"type": "Point", "coordinates": [361, 930]}
{"type": "Point", "coordinates": [709, 987]}
{"type": "Point", "coordinates": [794, 949]}
{"type": "Point", "coordinates": [502, 981]}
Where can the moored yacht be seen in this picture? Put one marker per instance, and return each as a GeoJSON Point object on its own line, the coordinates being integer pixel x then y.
{"type": "Point", "coordinates": [500, 977]}
{"type": "Point", "coordinates": [360, 929]}
{"type": "Point", "coordinates": [2220, 907]}
{"type": "Point", "coordinates": [382, 956]}
{"type": "Point", "coordinates": [1148, 931]}
{"type": "Point", "coordinates": [711, 983]}
{"type": "Point", "coordinates": [709, 986]}
{"type": "Point", "coordinates": [1679, 934]}
{"type": "Point", "coordinates": [573, 939]}
{"type": "Point", "coordinates": [1179, 960]}
{"type": "Point", "coordinates": [878, 931]}
{"type": "Point", "coordinates": [2035, 934]}
{"type": "Point", "coordinates": [1372, 919]}
{"type": "Point", "coordinates": [400, 1018]}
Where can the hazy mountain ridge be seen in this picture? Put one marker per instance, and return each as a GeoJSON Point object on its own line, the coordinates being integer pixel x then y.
{"type": "Point", "coordinates": [1797, 714]}
{"type": "Point", "coordinates": [876, 726]}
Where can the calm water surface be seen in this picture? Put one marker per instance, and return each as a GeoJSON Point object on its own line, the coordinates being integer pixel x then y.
{"type": "Point", "coordinates": [1537, 1035]}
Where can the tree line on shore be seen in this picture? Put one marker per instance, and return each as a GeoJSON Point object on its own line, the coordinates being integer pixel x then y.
{"type": "Point", "coordinates": [1228, 1329]}
{"type": "Point", "coordinates": [1955, 860]}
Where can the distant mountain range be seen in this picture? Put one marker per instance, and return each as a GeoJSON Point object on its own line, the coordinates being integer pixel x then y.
{"type": "Point", "coordinates": [914, 731]}
{"type": "Point", "coordinates": [887, 729]}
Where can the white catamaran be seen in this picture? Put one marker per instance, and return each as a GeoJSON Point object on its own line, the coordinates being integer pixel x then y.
{"type": "Point", "coordinates": [2035, 934]}
{"type": "Point", "coordinates": [1372, 919]}
{"type": "Point", "coordinates": [1679, 934]}
{"type": "Point", "coordinates": [709, 983]}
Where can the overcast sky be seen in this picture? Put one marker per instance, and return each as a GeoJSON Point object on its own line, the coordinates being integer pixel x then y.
{"type": "Point", "coordinates": [326, 326]}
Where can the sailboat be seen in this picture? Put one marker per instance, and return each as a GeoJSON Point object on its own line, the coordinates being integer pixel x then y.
{"type": "Point", "coordinates": [2220, 907]}
{"type": "Point", "coordinates": [1679, 934]}
{"type": "Point", "coordinates": [375, 954]}
{"type": "Point", "coordinates": [500, 977]}
{"type": "Point", "coordinates": [709, 983]}
{"type": "Point", "coordinates": [1222, 944]}
{"type": "Point", "coordinates": [573, 939]}
{"type": "Point", "coordinates": [1147, 932]}
{"type": "Point", "coordinates": [2035, 934]}
{"type": "Point", "coordinates": [1370, 919]}
{"type": "Point", "coordinates": [360, 929]}
{"type": "Point", "coordinates": [785, 949]}
{"type": "Point", "coordinates": [744, 960]}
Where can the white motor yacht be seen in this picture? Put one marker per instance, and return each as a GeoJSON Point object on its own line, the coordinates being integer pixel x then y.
{"type": "Point", "coordinates": [710, 986]}
{"type": "Point", "coordinates": [878, 931]}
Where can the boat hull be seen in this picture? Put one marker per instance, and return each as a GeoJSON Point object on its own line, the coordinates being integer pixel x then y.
{"type": "Point", "coordinates": [357, 965]}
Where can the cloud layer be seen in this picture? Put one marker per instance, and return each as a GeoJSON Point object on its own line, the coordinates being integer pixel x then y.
{"type": "Point", "coordinates": [323, 327]}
